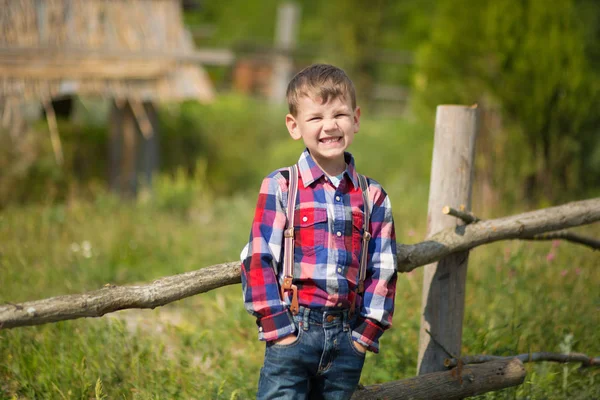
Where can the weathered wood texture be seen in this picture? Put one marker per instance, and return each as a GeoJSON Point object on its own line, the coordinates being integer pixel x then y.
{"type": "Point", "coordinates": [458, 383]}
{"type": "Point", "coordinates": [585, 360]}
{"type": "Point", "coordinates": [113, 298]}
{"type": "Point", "coordinates": [169, 289]}
{"type": "Point", "coordinates": [444, 282]}
{"type": "Point", "coordinates": [468, 218]}
{"type": "Point", "coordinates": [520, 226]}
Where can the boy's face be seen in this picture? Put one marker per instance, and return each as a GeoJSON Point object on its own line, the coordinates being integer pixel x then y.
{"type": "Point", "coordinates": [326, 129]}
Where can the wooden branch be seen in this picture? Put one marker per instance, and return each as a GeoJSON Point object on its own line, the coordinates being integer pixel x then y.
{"type": "Point", "coordinates": [585, 360]}
{"type": "Point", "coordinates": [467, 216]}
{"type": "Point", "coordinates": [53, 128]}
{"type": "Point", "coordinates": [113, 298]}
{"type": "Point", "coordinates": [518, 226]}
{"type": "Point", "coordinates": [458, 383]}
{"type": "Point", "coordinates": [141, 118]}
{"type": "Point", "coordinates": [569, 237]}
{"type": "Point", "coordinates": [172, 288]}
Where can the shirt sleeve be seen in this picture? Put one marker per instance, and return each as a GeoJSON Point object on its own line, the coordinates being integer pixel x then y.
{"type": "Point", "coordinates": [380, 283]}
{"type": "Point", "coordinates": [260, 260]}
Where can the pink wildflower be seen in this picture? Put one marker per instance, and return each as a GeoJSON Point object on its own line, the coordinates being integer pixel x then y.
{"type": "Point", "coordinates": [577, 271]}
{"type": "Point", "coordinates": [555, 243]}
{"type": "Point", "coordinates": [507, 253]}
{"type": "Point", "coordinates": [550, 256]}
{"type": "Point", "coordinates": [563, 272]}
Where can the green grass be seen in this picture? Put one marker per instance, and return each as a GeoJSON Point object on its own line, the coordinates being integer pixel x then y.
{"type": "Point", "coordinates": [518, 298]}
{"type": "Point", "coordinates": [205, 346]}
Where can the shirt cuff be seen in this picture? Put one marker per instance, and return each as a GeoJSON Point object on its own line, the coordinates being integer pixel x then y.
{"type": "Point", "coordinates": [276, 326]}
{"type": "Point", "coordinates": [368, 334]}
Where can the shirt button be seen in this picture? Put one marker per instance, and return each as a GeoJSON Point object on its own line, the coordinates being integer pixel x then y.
{"type": "Point", "coordinates": [260, 328]}
{"type": "Point", "coordinates": [337, 198]}
{"type": "Point", "coordinates": [305, 218]}
{"type": "Point", "coordinates": [340, 270]}
{"type": "Point", "coordinates": [339, 304]}
{"type": "Point", "coordinates": [339, 233]}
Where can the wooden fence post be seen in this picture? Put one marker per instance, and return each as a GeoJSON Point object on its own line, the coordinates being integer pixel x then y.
{"type": "Point", "coordinates": [444, 281]}
{"type": "Point", "coordinates": [286, 31]}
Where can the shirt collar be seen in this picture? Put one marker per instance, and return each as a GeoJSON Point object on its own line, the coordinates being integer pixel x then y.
{"type": "Point", "coordinates": [310, 171]}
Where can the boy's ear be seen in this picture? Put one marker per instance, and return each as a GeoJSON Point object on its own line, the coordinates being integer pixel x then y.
{"type": "Point", "coordinates": [292, 127]}
{"type": "Point", "coordinates": [356, 119]}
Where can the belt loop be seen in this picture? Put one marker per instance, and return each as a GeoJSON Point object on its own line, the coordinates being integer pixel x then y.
{"type": "Point", "coordinates": [305, 318]}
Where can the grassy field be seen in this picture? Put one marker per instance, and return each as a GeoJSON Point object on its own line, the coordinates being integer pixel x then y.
{"type": "Point", "coordinates": [521, 296]}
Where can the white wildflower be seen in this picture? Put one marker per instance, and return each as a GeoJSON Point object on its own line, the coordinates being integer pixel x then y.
{"type": "Point", "coordinates": [87, 249]}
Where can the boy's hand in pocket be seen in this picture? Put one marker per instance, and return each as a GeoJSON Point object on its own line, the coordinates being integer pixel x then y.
{"type": "Point", "coordinates": [289, 339]}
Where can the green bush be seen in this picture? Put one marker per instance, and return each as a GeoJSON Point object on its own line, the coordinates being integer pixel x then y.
{"type": "Point", "coordinates": [535, 67]}
{"type": "Point", "coordinates": [233, 135]}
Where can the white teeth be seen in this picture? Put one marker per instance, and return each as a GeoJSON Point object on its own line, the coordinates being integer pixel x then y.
{"type": "Point", "coordinates": [330, 140]}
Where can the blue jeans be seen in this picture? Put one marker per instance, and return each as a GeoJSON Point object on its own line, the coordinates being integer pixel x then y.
{"type": "Point", "coordinates": [321, 364]}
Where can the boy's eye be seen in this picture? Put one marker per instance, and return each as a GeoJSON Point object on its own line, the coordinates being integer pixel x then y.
{"type": "Point", "coordinates": [341, 115]}
{"type": "Point", "coordinates": [315, 119]}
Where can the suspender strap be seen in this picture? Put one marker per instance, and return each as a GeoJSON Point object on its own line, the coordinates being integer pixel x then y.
{"type": "Point", "coordinates": [362, 271]}
{"type": "Point", "coordinates": [288, 241]}
{"type": "Point", "coordinates": [362, 181]}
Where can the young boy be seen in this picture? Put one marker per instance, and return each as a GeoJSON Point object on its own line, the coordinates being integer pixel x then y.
{"type": "Point", "coordinates": [319, 325]}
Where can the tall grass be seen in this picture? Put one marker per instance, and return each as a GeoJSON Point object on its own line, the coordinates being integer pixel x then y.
{"type": "Point", "coordinates": [521, 296]}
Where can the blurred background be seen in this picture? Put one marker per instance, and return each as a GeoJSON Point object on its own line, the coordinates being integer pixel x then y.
{"type": "Point", "coordinates": [204, 84]}
{"type": "Point", "coordinates": [134, 136]}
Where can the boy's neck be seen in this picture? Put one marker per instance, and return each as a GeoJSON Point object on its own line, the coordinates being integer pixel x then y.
{"type": "Point", "coordinates": [331, 167]}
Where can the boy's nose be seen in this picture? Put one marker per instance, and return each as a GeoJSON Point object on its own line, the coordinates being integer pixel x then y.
{"type": "Point", "coordinates": [329, 125]}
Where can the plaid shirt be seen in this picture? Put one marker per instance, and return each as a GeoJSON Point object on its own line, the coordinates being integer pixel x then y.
{"type": "Point", "coordinates": [328, 239]}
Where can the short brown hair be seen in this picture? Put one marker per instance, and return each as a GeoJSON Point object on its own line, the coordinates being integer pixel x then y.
{"type": "Point", "coordinates": [322, 80]}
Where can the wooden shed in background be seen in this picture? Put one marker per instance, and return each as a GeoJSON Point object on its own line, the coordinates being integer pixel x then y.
{"type": "Point", "coordinates": [134, 52]}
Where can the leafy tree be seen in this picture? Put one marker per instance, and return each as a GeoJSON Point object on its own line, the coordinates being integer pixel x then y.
{"type": "Point", "coordinates": [532, 60]}
{"type": "Point", "coordinates": [356, 34]}
{"type": "Point", "coordinates": [236, 21]}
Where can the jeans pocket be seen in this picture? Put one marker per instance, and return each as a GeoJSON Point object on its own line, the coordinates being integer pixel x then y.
{"type": "Point", "coordinates": [354, 349]}
{"type": "Point", "coordinates": [288, 345]}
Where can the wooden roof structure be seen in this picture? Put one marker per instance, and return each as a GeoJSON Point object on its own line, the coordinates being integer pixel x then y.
{"type": "Point", "coordinates": [122, 49]}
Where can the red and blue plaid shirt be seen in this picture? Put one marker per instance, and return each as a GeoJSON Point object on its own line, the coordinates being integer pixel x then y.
{"type": "Point", "coordinates": [328, 240]}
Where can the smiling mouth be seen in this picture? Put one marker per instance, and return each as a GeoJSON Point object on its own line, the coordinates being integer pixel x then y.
{"type": "Point", "coordinates": [330, 140]}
